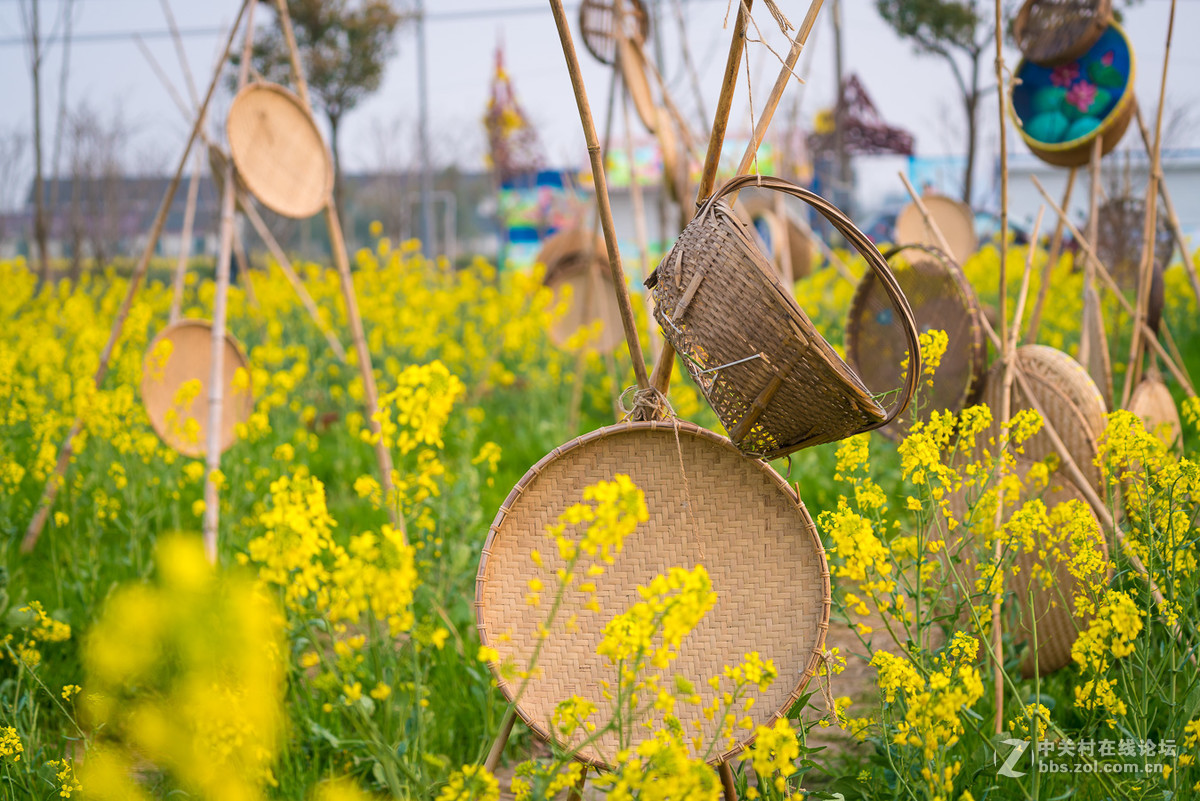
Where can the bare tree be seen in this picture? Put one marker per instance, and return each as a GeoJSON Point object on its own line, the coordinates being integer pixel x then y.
{"type": "Point", "coordinates": [30, 18]}
{"type": "Point", "coordinates": [97, 153]}
{"type": "Point", "coordinates": [14, 144]}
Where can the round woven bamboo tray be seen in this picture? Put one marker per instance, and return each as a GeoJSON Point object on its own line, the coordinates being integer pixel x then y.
{"type": "Point", "coordinates": [1152, 401]}
{"type": "Point", "coordinates": [773, 380]}
{"type": "Point", "coordinates": [759, 212]}
{"type": "Point", "coordinates": [1053, 603]}
{"type": "Point", "coordinates": [953, 217]}
{"type": "Point", "coordinates": [1077, 151]}
{"type": "Point", "coordinates": [941, 298]}
{"type": "Point", "coordinates": [278, 151]}
{"type": "Point", "coordinates": [191, 359]}
{"type": "Point", "coordinates": [674, 168]}
{"type": "Point", "coordinates": [633, 71]}
{"type": "Point", "coordinates": [1070, 399]}
{"type": "Point", "coordinates": [598, 26]}
{"type": "Point", "coordinates": [708, 506]}
{"type": "Point", "coordinates": [1051, 32]}
{"type": "Point", "coordinates": [579, 267]}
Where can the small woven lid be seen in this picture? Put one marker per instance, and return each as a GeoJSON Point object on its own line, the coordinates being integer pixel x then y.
{"type": "Point", "coordinates": [577, 263]}
{"type": "Point", "coordinates": [709, 506]}
{"type": "Point", "coordinates": [598, 26]}
{"type": "Point", "coordinates": [278, 151]}
{"type": "Point", "coordinates": [1070, 399]}
{"type": "Point", "coordinates": [1043, 571]}
{"type": "Point", "coordinates": [953, 217]}
{"type": "Point", "coordinates": [185, 427]}
{"type": "Point", "coordinates": [1152, 401]}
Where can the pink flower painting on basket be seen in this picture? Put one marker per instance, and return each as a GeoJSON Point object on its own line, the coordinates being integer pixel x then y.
{"type": "Point", "coordinates": [1064, 74]}
{"type": "Point", "coordinates": [1082, 95]}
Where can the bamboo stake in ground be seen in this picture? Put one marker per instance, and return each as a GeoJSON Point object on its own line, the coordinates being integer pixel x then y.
{"type": "Point", "coordinates": [65, 451]}
{"type": "Point", "coordinates": [341, 258]}
{"type": "Point", "coordinates": [216, 375]}
{"type": "Point", "coordinates": [1150, 227]}
{"type": "Point", "coordinates": [601, 184]}
{"type": "Point", "coordinates": [185, 240]}
{"type": "Point", "coordinates": [1151, 337]}
{"type": "Point", "coordinates": [1093, 341]}
{"type": "Point", "coordinates": [1035, 322]}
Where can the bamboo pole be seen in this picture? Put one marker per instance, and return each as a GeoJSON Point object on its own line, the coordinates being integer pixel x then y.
{"type": "Point", "coordinates": [1035, 322]}
{"type": "Point", "coordinates": [54, 483]}
{"type": "Point", "coordinates": [1150, 226]}
{"type": "Point", "coordinates": [216, 375]}
{"type": "Point", "coordinates": [639, 226]}
{"type": "Point", "coordinates": [341, 258]}
{"type": "Point", "coordinates": [1107, 279]}
{"type": "Point", "coordinates": [1169, 208]}
{"type": "Point", "coordinates": [185, 240]}
{"type": "Point", "coordinates": [1093, 342]}
{"type": "Point", "coordinates": [1009, 362]}
{"type": "Point", "coordinates": [601, 184]}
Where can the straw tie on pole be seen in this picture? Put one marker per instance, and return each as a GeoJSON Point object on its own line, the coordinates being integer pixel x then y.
{"type": "Point", "coordinates": [337, 244]}
{"type": "Point", "coordinates": [54, 483]}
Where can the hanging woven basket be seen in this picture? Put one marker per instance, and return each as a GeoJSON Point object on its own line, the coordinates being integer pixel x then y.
{"type": "Point", "coordinates": [1052, 32]}
{"type": "Point", "coordinates": [1070, 399]}
{"type": "Point", "coordinates": [708, 505]}
{"type": "Point", "coordinates": [780, 235]}
{"type": "Point", "coordinates": [773, 380]}
{"type": "Point", "coordinates": [941, 298]}
{"type": "Point", "coordinates": [278, 151]}
{"type": "Point", "coordinates": [179, 414]}
{"type": "Point", "coordinates": [1043, 572]}
{"type": "Point", "coordinates": [577, 270]}
{"type": "Point", "coordinates": [954, 219]}
{"type": "Point", "coordinates": [1060, 111]}
{"type": "Point", "coordinates": [599, 29]}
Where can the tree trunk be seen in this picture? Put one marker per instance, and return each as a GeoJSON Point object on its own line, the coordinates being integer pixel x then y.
{"type": "Point", "coordinates": [334, 121]}
{"type": "Point", "coordinates": [971, 102]}
{"type": "Point", "coordinates": [39, 193]}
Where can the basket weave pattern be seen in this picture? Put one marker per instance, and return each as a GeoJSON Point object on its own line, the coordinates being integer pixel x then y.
{"type": "Point", "coordinates": [774, 381]}
{"type": "Point", "coordinates": [1051, 32]}
{"type": "Point", "coordinates": [708, 505]}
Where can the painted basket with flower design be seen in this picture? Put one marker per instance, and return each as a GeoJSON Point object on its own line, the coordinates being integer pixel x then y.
{"type": "Point", "coordinates": [1061, 110]}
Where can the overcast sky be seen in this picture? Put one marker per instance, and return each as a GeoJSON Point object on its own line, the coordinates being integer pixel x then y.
{"type": "Point", "coordinates": [912, 91]}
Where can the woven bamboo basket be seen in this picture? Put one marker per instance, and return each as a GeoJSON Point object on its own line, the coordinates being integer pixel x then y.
{"type": "Point", "coordinates": [278, 151]}
{"type": "Point", "coordinates": [1076, 150]}
{"type": "Point", "coordinates": [775, 383]}
{"type": "Point", "coordinates": [1052, 32]}
{"type": "Point", "coordinates": [941, 298]}
{"type": "Point", "coordinates": [708, 506]}
{"type": "Point", "coordinates": [577, 263]}
{"type": "Point", "coordinates": [1070, 399]}
{"type": "Point", "coordinates": [953, 217]}
{"type": "Point", "coordinates": [1152, 401]}
{"type": "Point", "coordinates": [598, 26]}
{"type": "Point", "coordinates": [1040, 570]}
{"type": "Point", "coordinates": [781, 231]}
{"type": "Point", "coordinates": [191, 360]}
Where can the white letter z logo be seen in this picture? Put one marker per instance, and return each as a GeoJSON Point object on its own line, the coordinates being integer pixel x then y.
{"type": "Point", "coordinates": [1018, 750]}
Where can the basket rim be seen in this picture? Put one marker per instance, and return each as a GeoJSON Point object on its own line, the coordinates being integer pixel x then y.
{"type": "Point", "coordinates": [1110, 120]}
{"type": "Point", "coordinates": [625, 428]}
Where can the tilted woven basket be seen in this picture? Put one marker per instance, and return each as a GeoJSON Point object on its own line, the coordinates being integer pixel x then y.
{"type": "Point", "coordinates": [708, 505]}
{"type": "Point", "coordinates": [1051, 32]}
{"type": "Point", "coordinates": [941, 298]}
{"type": "Point", "coordinates": [184, 426]}
{"type": "Point", "coordinates": [598, 26]}
{"type": "Point", "coordinates": [773, 380]}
